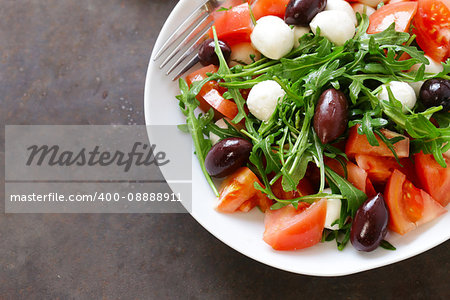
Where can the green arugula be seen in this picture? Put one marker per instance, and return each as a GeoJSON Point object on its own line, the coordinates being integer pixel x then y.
{"type": "Point", "coordinates": [353, 196]}
{"type": "Point", "coordinates": [386, 245]}
{"type": "Point", "coordinates": [188, 104]}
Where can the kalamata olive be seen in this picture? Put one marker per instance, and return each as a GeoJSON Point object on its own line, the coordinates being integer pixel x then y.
{"type": "Point", "coordinates": [301, 12]}
{"type": "Point", "coordinates": [369, 226]}
{"type": "Point", "coordinates": [435, 92]}
{"type": "Point", "coordinates": [227, 156]}
{"type": "Point", "coordinates": [207, 55]}
{"type": "Point", "coordinates": [330, 118]}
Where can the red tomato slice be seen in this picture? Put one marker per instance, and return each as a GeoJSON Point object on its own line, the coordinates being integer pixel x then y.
{"type": "Point", "coordinates": [290, 229]}
{"type": "Point", "coordinates": [233, 26]}
{"type": "Point", "coordinates": [379, 169]}
{"type": "Point", "coordinates": [409, 206]}
{"type": "Point", "coordinates": [261, 8]}
{"type": "Point", "coordinates": [238, 193]}
{"type": "Point", "coordinates": [355, 175]}
{"type": "Point", "coordinates": [263, 202]}
{"type": "Point", "coordinates": [434, 179]}
{"type": "Point", "coordinates": [210, 95]}
{"type": "Point", "coordinates": [358, 144]}
{"type": "Point", "coordinates": [247, 205]}
{"type": "Point", "coordinates": [401, 13]}
{"type": "Point", "coordinates": [432, 27]}
{"type": "Point", "coordinates": [358, 177]}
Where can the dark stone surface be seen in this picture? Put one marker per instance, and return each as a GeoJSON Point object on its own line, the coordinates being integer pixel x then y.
{"type": "Point", "coordinates": [84, 62]}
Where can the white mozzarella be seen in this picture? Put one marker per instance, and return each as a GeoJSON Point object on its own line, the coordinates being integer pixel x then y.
{"type": "Point", "coordinates": [214, 137]}
{"type": "Point", "coordinates": [272, 37]}
{"type": "Point", "coordinates": [240, 54]}
{"type": "Point", "coordinates": [333, 211]}
{"type": "Point", "coordinates": [362, 8]}
{"type": "Point", "coordinates": [342, 6]}
{"type": "Point", "coordinates": [373, 3]}
{"type": "Point", "coordinates": [299, 31]}
{"type": "Point", "coordinates": [402, 91]}
{"type": "Point", "coordinates": [263, 98]}
{"type": "Point", "coordinates": [334, 25]}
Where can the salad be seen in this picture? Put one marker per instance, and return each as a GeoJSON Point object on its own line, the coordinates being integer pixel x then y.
{"type": "Point", "coordinates": [329, 116]}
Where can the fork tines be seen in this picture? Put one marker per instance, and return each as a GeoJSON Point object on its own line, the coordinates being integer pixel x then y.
{"type": "Point", "coordinates": [184, 42]}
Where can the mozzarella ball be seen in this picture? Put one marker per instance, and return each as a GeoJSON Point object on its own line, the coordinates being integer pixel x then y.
{"type": "Point", "coordinates": [333, 211]}
{"type": "Point", "coordinates": [362, 8]}
{"type": "Point", "coordinates": [263, 98]}
{"type": "Point", "coordinates": [433, 67]}
{"type": "Point", "coordinates": [240, 54]}
{"type": "Point", "coordinates": [334, 25]}
{"type": "Point", "coordinates": [402, 91]}
{"type": "Point", "coordinates": [299, 31]}
{"type": "Point", "coordinates": [215, 138]}
{"type": "Point", "coordinates": [272, 37]}
{"type": "Point", "coordinates": [342, 6]}
{"type": "Point", "coordinates": [373, 3]}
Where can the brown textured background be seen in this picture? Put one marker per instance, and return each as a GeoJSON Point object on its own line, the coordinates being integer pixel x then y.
{"type": "Point", "coordinates": [84, 62]}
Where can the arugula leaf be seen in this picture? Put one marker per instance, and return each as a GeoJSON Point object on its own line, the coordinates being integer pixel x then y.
{"type": "Point", "coordinates": [189, 103]}
{"type": "Point", "coordinates": [183, 127]}
{"type": "Point", "coordinates": [272, 162]}
{"type": "Point", "coordinates": [224, 8]}
{"type": "Point", "coordinates": [354, 197]}
{"type": "Point", "coordinates": [367, 129]}
{"type": "Point", "coordinates": [388, 37]}
{"type": "Point", "coordinates": [222, 133]}
{"type": "Point", "coordinates": [386, 245]}
{"type": "Point", "coordinates": [355, 89]}
{"type": "Point", "coordinates": [291, 172]}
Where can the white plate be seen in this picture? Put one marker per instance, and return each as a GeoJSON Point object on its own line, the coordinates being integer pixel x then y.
{"type": "Point", "coordinates": [243, 232]}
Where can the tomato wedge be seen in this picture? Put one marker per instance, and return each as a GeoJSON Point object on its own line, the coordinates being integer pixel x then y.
{"type": "Point", "coordinates": [261, 8]}
{"type": "Point", "coordinates": [434, 178]}
{"type": "Point", "coordinates": [409, 206]}
{"type": "Point", "coordinates": [234, 25]}
{"type": "Point", "coordinates": [358, 144]}
{"type": "Point", "coordinates": [238, 193]}
{"type": "Point", "coordinates": [379, 169]}
{"type": "Point", "coordinates": [288, 228]}
{"type": "Point", "coordinates": [432, 27]}
{"type": "Point", "coordinates": [358, 177]}
{"type": "Point", "coordinates": [210, 95]}
{"type": "Point", "coordinates": [400, 13]}
{"type": "Point", "coordinates": [355, 175]}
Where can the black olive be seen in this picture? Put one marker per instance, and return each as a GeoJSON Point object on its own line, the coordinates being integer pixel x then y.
{"type": "Point", "coordinates": [301, 12]}
{"type": "Point", "coordinates": [435, 92]}
{"type": "Point", "coordinates": [369, 226]}
{"type": "Point", "coordinates": [330, 118]}
{"type": "Point", "coordinates": [207, 55]}
{"type": "Point", "coordinates": [227, 156]}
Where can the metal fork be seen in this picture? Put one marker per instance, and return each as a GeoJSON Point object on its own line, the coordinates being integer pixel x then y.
{"type": "Point", "coordinates": [186, 39]}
